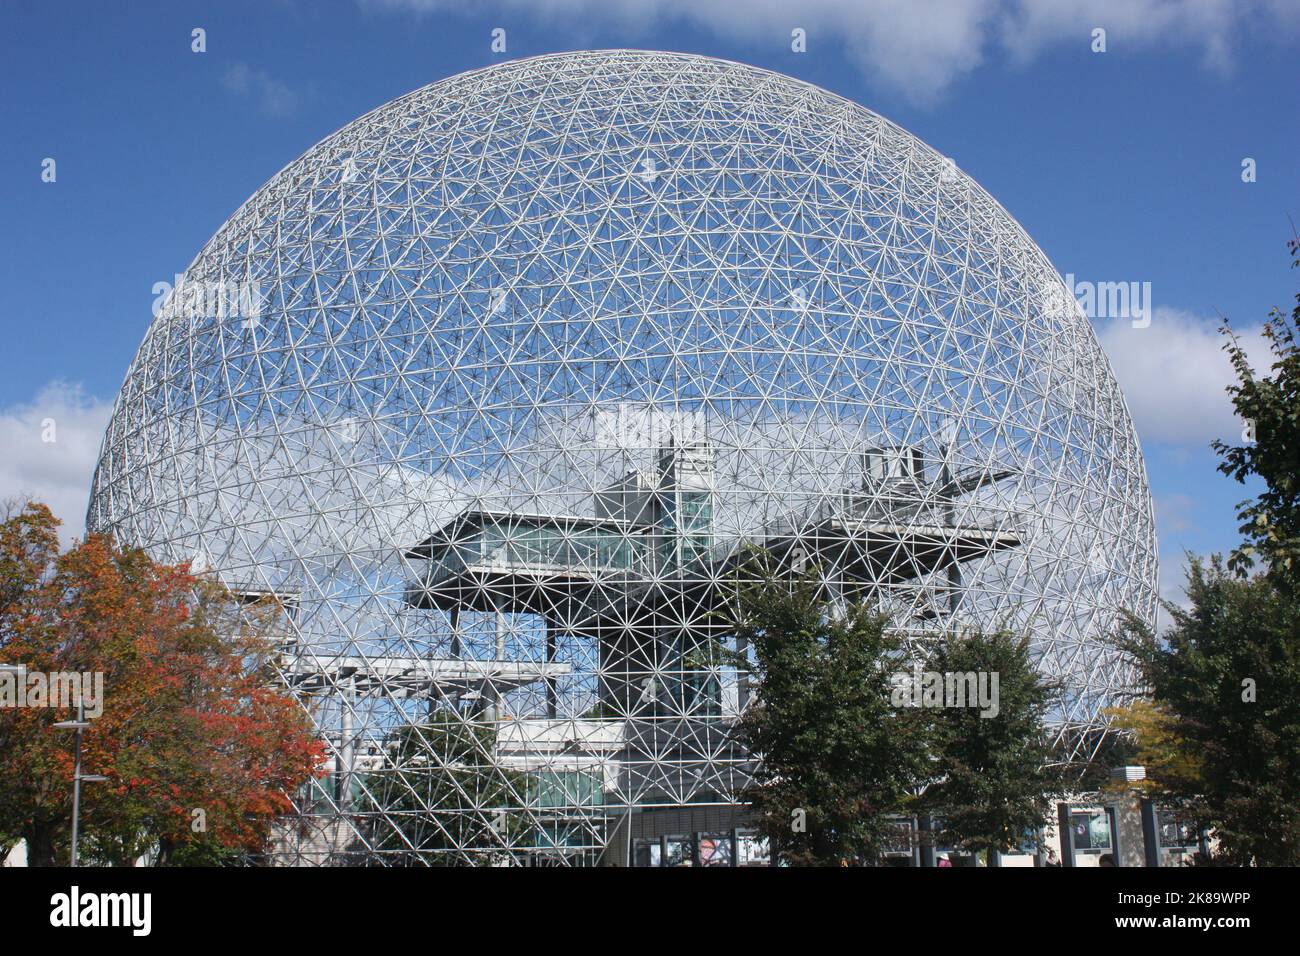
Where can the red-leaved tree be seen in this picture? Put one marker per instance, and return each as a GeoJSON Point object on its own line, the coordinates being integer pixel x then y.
{"type": "Point", "coordinates": [200, 749]}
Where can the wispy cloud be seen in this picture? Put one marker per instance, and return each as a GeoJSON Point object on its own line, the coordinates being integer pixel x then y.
{"type": "Point", "coordinates": [273, 97]}
{"type": "Point", "coordinates": [51, 446]}
{"type": "Point", "coordinates": [920, 47]}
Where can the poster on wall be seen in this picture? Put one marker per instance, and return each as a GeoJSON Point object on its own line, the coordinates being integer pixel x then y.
{"type": "Point", "coordinates": [1090, 829]}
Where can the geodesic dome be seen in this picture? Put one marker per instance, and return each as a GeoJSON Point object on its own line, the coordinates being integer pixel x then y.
{"type": "Point", "coordinates": [522, 359]}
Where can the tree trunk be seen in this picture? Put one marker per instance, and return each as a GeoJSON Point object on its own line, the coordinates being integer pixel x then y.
{"type": "Point", "coordinates": [40, 844]}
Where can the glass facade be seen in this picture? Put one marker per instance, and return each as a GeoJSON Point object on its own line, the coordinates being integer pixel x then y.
{"type": "Point", "coordinates": [540, 542]}
{"type": "Point", "coordinates": [687, 525]}
{"type": "Point", "coordinates": [726, 848]}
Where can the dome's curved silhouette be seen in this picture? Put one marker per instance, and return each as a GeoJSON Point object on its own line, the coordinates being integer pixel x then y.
{"type": "Point", "coordinates": [533, 350]}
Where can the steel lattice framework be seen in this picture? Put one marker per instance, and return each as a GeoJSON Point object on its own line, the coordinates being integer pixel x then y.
{"type": "Point", "coordinates": [540, 347]}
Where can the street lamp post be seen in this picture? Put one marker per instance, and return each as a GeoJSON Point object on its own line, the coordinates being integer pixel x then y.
{"type": "Point", "coordinates": [79, 725]}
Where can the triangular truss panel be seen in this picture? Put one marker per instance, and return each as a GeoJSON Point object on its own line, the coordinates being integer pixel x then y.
{"type": "Point", "coordinates": [538, 350]}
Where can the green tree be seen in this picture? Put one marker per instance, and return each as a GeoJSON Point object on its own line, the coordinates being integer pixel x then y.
{"type": "Point", "coordinates": [995, 776]}
{"type": "Point", "coordinates": [1226, 676]}
{"type": "Point", "coordinates": [447, 802]}
{"type": "Point", "coordinates": [837, 758]}
{"type": "Point", "coordinates": [1270, 407]}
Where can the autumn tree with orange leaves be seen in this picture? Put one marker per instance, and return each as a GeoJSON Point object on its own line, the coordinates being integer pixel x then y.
{"type": "Point", "coordinates": [200, 749]}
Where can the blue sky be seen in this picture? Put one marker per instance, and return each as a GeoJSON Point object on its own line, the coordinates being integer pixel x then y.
{"type": "Point", "coordinates": [1123, 165]}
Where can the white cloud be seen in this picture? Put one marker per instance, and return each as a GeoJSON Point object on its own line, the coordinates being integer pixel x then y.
{"type": "Point", "coordinates": [58, 471]}
{"type": "Point", "coordinates": [1211, 25]}
{"type": "Point", "coordinates": [919, 47]}
{"type": "Point", "coordinates": [1174, 374]}
{"type": "Point", "coordinates": [273, 97]}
